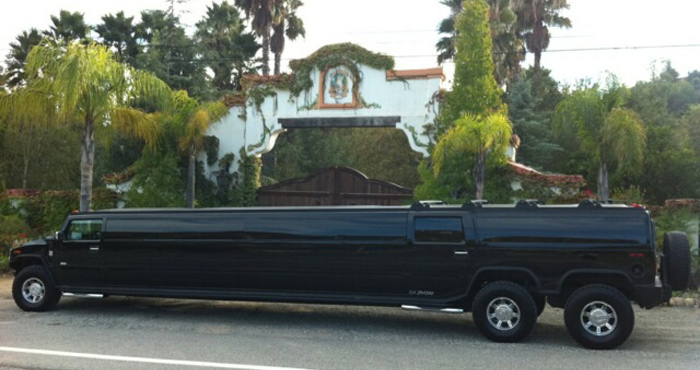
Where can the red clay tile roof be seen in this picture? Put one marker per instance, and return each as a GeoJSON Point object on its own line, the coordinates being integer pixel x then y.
{"type": "Point", "coordinates": [553, 179]}
{"type": "Point", "coordinates": [415, 73]}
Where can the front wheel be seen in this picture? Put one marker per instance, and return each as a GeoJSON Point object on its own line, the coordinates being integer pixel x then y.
{"type": "Point", "coordinates": [504, 312]}
{"type": "Point", "coordinates": [599, 317]}
{"type": "Point", "coordinates": [34, 290]}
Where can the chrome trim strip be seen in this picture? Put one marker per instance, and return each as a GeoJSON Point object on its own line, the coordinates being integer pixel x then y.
{"type": "Point", "coordinates": [430, 309]}
{"type": "Point", "coordinates": [80, 295]}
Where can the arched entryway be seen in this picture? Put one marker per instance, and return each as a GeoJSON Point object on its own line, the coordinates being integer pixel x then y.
{"type": "Point", "coordinates": [342, 85]}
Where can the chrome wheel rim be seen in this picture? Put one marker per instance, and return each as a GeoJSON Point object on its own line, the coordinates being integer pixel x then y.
{"type": "Point", "coordinates": [503, 313]}
{"type": "Point", "coordinates": [599, 318]}
{"type": "Point", "coordinates": [33, 290]}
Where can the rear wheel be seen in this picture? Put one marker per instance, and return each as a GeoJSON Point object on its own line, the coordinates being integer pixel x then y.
{"type": "Point", "coordinates": [599, 317]}
{"type": "Point", "coordinates": [34, 290]}
{"type": "Point", "coordinates": [504, 312]}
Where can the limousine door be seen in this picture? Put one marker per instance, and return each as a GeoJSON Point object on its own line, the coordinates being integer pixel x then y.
{"type": "Point", "coordinates": [441, 254]}
{"type": "Point", "coordinates": [78, 257]}
{"type": "Point", "coordinates": [173, 250]}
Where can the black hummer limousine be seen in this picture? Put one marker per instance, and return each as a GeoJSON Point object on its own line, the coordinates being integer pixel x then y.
{"type": "Point", "coordinates": [501, 262]}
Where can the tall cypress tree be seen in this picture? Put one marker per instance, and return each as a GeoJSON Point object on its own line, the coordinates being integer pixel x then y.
{"type": "Point", "coordinates": [475, 90]}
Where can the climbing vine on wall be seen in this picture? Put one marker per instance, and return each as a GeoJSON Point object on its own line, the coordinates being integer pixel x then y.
{"type": "Point", "coordinates": [347, 54]}
{"type": "Point", "coordinates": [249, 168]}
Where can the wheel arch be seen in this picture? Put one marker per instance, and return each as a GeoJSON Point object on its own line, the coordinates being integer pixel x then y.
{"type": "Point", "coordinates": [575, 279]}
{"type": "Point", "coordinates": [22, 261]}
{"type": "Point", "coordinates": [517, 275]}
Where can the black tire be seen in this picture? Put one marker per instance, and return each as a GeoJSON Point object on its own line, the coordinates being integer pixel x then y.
{"type": "Point", "coordinates": [540, 302]}
{"type": "Point", "coordinates": [676, 260]}
{"type": "Point", "coordinates": [509, 298]}
{"type": "Point", "coordinates": [33, 289]}
{"type": "Point", "coordinates": [598, 300]}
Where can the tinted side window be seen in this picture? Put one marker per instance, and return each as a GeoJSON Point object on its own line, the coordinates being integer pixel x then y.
{"type": "Point", "coordinates": [326, 225]}
{"type": "Point", "coordinates": [439, 229]}
{"type": "Point", "coordinates": [84, 230]}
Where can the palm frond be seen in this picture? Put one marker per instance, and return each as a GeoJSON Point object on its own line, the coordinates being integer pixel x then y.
{"type": "Point", "coordinates": [137, 124]}
{"type": "Point", "coordinates": [473, 135]}
{"type": "Point", "coordinates": [624, 136]}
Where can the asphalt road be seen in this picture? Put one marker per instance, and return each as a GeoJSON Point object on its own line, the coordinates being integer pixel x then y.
{"type": "Point", "coordinates": [139, 333]}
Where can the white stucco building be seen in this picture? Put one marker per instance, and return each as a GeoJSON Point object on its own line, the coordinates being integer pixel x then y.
{"type": "Point", "coordinates": [340, 85]}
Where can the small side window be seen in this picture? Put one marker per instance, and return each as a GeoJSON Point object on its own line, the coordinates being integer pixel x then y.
{"type": "Point", "coordinates": [84, 230]}
{"type": "Point", "coordinates": [439, 229]}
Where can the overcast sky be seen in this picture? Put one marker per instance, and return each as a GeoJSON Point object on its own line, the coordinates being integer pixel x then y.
{"type": "Point", "coordinates": [406, 29]}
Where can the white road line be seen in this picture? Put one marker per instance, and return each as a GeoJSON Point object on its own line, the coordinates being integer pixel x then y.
{"type": "Point", "coordinates": [147, 360]}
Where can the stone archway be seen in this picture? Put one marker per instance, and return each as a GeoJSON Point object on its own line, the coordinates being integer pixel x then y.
{"type": "Point", "coordinates": [341, 85]}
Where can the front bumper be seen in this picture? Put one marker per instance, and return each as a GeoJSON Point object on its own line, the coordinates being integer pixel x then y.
{"type": "Point", "coordinates": [648, 296]}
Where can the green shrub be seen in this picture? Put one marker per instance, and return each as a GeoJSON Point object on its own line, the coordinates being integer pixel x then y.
{"type": "Point", "coordinates": [4, 264]}
{"type": "Point", "coordinates": [631, 195]}
{"type": "Point", "coordinates": [158, 182]}
{"type": "Point", "coordinates": [677, 220]}
{"type": "Point", "coordinates": [13, 232]}
{"type": "Point", "coordinates": [695, 273]}
{"type": "Point", "coordinates": [47, 211]}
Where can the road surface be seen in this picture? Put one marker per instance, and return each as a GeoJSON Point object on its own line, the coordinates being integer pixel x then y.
{"type": "Point", "coordinates": [141, 333]}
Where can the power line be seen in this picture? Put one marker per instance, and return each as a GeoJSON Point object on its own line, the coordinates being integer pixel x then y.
{"type": "Point", "coordinates": [611, 48]}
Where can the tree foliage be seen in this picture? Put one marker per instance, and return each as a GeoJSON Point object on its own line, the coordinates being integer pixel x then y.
{"type": "Point", "coordinates": [16, 59]}
{"type": "Point", "coordinates": [475, 91]}
{"type": "Point", "coordinates": [158, 181]}
{"type": "Point", "coordinates": [531, 110]}
{"type": "Point", "coordinates": [379, 153]}
{"type": "Point", "coordinates": [228, 50]}
{"type": "Point", "coordinates": [120, 33]}
{"type": "Point", "coordinates": [508, 49]}
{"type": "Point", "coordinates": [473, 125]}
{"type": "Point", "coordinates": [535, 17]}
{"type": "Point", "coordinates": [83, 83]}
{"type": "Point", "coordinates": [477, 137]}
{"type": "Point", "coordinates": [608, 132]}
{"type": "Point", "coordinates": [171, 54]}
{"type": "Point", "coordinates": [261, 16]}
{"type": "Point", "coordinates": [192, 120]}
{"type": "Point", "coordinates": [68, 26]}
{"type": "Point", "coordinates": [286, 25]}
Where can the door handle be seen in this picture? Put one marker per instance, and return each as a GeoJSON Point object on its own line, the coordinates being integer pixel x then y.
{"type": "Point", "coordinates": [94, 248]}
{"type": "Point", "coordinates": [461, 253]}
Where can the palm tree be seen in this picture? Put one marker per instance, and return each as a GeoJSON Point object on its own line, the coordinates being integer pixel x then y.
{"type": "Point", "coordinates": [260, 12]}
{"type": "Point", "coordinates": [224, 41]}
{"type": "Point", "coordinates": [119, 32]}
{"type": "Point", "coordinates": [477, 136]}
{"type": "Point", "coordinates": [446, 44]}
{"type": "Point", "coordinates": [17, 57]}
{"type": "Point", "coordinates": [68, 26]}
{"type": "Point", "coordinates": [508, 49]}
{"type": "Point", "coordinates": [3, 81]}
{"type": "Point", "coordinates": [192, 121]}
{"type": "Point", "coordinates": [83, 84]}
{"type": "Point", "coordinates": [534, 19]}
{"type": "Point", "coordinates": [605, 129]}
{"type": "Point", "coordinates": [286, 23]}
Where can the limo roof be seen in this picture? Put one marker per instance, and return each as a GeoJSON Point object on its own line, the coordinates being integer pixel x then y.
{"type": "Point", "coordinates": [418, 206]}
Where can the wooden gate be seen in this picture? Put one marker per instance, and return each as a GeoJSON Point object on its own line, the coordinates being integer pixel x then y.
{"type": "Point", "coordinates": [333, 186]}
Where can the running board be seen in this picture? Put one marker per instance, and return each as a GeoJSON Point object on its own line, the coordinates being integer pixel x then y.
{"type": "Point", "coordinates": [432, 309]}
{"type": "Point", "coordinates": [80, 295]}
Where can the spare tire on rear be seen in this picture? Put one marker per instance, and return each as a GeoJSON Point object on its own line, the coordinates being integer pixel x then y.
{"type": "Point", "coordinates": [676, 260]}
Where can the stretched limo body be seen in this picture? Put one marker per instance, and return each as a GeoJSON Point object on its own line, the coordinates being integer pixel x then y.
{"type": "Point", "coordinates": [422, 256]}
